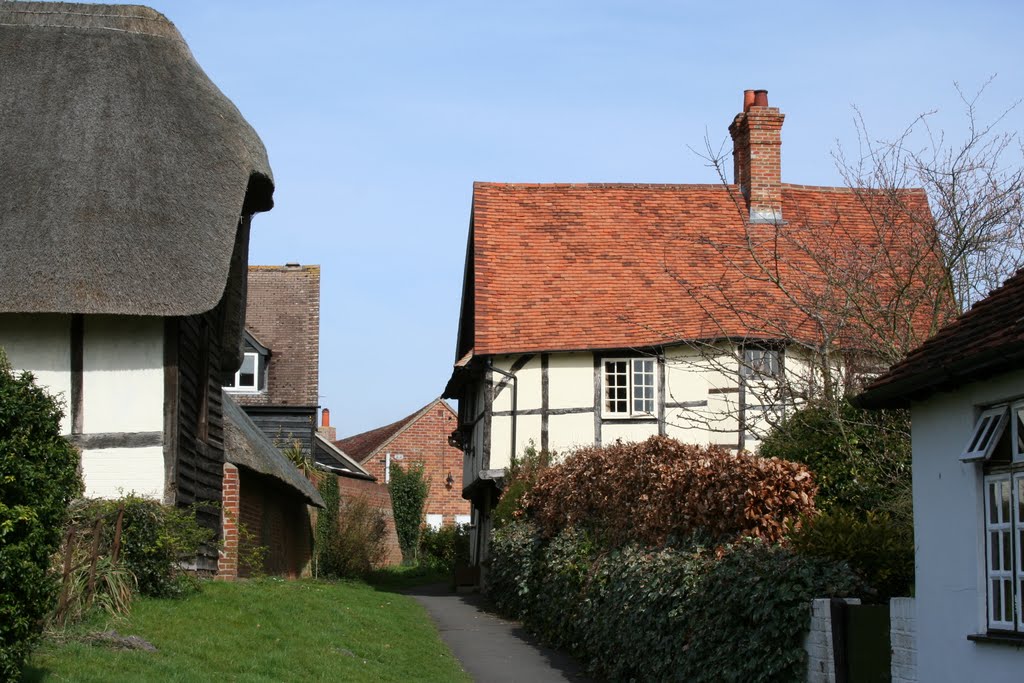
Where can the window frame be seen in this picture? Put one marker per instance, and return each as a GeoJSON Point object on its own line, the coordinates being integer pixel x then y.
{"type": "Point", "coordinates": [1003, 564]}
{"type": "Point", "coordinates": [237, 387]}
{"type": "Point", "coordinates": [630, 412]}
{"type": "Point", "coordinates": [752, 370]}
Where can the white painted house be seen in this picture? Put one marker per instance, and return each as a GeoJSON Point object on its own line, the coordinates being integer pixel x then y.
{"type": "Point", "coordinates": [598, 312]}
{"type": "Point", "coordinates": [129, 184]}
{"type": "Point", "coordinates": [965, 391]}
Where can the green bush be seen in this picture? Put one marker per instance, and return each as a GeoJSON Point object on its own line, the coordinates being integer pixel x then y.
{"type": "Point", "coordinates": [683, 613]}
{"type": "Point", "coordinates": [409, 489]}
{"type": "Point", "coordinates": [157, 541]}
{"type": "Point", "coordinates": [520, 478]}
{"type": "Point", "coordinates": [38, 477]}
{"type": "Point", "coordinates": [444, 548]}
{"type": "Point", "coordinates": [860, 458]}
{"type": "Point", "coordinates": [358, 544]}
{"type": "Point", "coordinates": [880, 550]}
{"type": "Point", "coordinates": [326, 532]}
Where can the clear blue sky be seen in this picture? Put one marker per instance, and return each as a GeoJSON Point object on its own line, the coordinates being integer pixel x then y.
{"type": "Point", "coordinates": [378, 117]}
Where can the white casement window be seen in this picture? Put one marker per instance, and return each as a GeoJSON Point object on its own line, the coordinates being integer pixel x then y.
{"type": "Point", "coordinates": [760, 363]}
{"type": "Point", "coordinates": [1003, 455]}
{"type": "Point", "coordinates": [247, 379]}
{"type": "Point", "coordinates": [462, 520]}
{"type": "Point", "coordinates": [435, 521]}
{"type": "Point", "coordinates": [629, 387]}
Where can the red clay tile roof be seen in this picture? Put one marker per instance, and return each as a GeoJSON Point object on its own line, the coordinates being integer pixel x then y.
{"type": "Point", "coordinates": [363, 446]}
{"type": "Point", "coordinates": [985, 340]}
{"type": "Point", "coordinates": [596, 266]}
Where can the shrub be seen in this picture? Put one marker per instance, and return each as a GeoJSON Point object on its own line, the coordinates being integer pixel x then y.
{"type": "Point", "coordinates": [408, 488]}
{"type": "Point", "coordinates": [860, 458]}
{"type": "Point", "coordinates": [519, 480]}
{"type": "Point", "coordinates": [877, 548]}
{"type": "Point", "coordinates": [157, 541]}
{"type": "Point", "coordinates": [38, 477]}
{"type": "Point", "coordinates": [443, 548]}
{"type": "Point", "coordinates": [359, 542]}
{"type": "Point", "coordinates": [326, 532]}
{"type": "Point", "coordinates": [681, 613]}
{"type": "Point", "coordinates": [660, 489]}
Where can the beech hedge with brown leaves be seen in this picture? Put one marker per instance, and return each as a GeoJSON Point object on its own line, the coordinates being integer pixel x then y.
{"type": "Point", "coordinates": [660, 489]}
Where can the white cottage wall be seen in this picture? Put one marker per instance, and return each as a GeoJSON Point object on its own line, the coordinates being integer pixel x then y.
{"type": "Point", "coordinates": [41, 344]}
{"type": "Point", "coordinates": [948, 519]}
{"type": "Point", "coordinates": [122, 374]}
{"type": "Point", "coordinates": [122, 392]}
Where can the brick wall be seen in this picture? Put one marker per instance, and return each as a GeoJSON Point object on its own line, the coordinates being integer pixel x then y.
{"type": "Point", "coordinates": [283, 312]}
{"type": "Point", "coordinates": [261, 511]}
{"type": "Point", "coordinates": [227, 560]}
{"type": "Point", "coordinates": [377, 495]}
{"type": "Point", "coordinates": [426, 441]}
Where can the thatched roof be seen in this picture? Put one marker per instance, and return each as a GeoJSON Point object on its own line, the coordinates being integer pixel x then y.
{"type": "Point", "coordinates": [247, 446]}
{"type": "Point", "coordinates": [125, 170]}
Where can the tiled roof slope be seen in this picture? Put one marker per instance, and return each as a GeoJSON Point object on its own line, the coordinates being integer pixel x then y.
{"type": "Point", "coordinates": [985, 340]}
{"type": "Point", "coordinates": [364, 445]}
{"type": "Point", "coordinates": [283, 312]}
{"type": "Point", "coordinates": [565, 267]}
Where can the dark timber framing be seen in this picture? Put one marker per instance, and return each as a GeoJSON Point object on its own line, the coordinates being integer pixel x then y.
{"type": "Point", "coordinates": [662, 427]}
{"type": "Point", "coordinates": [544, 401]}
{"type": "Point", "coordinates": [598, 394]}
{"type": "Point", "coordinates": [118, 440]}
{"type": "Point", "coordinates": [488, 414]}
{"type": "Point", "coordinates": [77, 362]}
{"type": "Point", "coordinates": [171, 408]}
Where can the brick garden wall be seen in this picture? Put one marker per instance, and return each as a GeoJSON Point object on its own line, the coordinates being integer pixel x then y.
{"type": "Point", "coordinates": [260, 511]}
{"type": "Point", "coordinates": [426, 441]}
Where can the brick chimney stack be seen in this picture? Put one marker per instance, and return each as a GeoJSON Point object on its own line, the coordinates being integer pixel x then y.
{"type": "Point", "coordinates": [757, 156]}
{"type": "Point", "coordinates": [326, 430]}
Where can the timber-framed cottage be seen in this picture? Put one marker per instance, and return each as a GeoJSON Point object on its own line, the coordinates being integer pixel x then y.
{"type": "Point", "coordinates": [597, 312]}
{"type": "Point", "coordinates": [124, 218]}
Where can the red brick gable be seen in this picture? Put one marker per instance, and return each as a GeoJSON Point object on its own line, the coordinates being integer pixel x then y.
{"type": "Point", "coordinates": [594, 266]}
{"type": "Point", "coordinates": [420, 438]}
{"type": "Point", "coordinates": [283, 313]}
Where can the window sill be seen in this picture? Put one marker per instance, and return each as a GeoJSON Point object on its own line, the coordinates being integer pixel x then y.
{"type": "Point", "coordinates": [1015, 639]}
{"type": "Point", "coordinates": [644, 417]}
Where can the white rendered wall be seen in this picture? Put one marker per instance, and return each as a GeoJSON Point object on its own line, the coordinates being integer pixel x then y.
{"type": "Point", "coordinates": [41, 344]}
{"type": "Point", "coordinates": [122, 374]}
{"type": "Point", "coordinates": [113, 472]}
{"type": "Point", "coordinates": [948, 531]}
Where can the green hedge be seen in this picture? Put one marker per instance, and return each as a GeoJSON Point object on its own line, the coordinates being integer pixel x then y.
{"type": "Point", "coordinates": [409, 488]}
{"type": "Point", "coordinates": [38, 477]}
{"type": "Point", "coordinates": [684, 613]}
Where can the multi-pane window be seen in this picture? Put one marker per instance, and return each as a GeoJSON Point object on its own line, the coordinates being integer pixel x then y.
{"type": "Point", "coordinates": [246, 379]}
{"type": "Point", "coordinates": [629, 387]}
{"type": "Point", "coordinates": [1004, 526]}
{"type": "Point", "coordinates": [760, 362]}
{"type": "Point", "coordinates": [1003, 454]}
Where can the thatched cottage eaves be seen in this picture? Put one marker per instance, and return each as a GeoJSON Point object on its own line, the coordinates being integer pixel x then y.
{"type": "Point", "coordinates": [124, 169]}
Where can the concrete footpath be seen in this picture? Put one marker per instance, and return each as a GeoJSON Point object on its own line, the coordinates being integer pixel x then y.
{"type": "Point", "coordinates": [491, 649]}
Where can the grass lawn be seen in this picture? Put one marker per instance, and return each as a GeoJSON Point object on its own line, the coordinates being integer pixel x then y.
{"type": "Point", "coordinates": [267, 630]}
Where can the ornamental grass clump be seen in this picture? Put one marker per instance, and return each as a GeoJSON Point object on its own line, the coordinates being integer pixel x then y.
{"type": "Point", "coordinates": [660, 490]}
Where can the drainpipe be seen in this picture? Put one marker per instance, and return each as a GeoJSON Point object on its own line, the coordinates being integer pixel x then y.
{"type": "Point", "coordinates": [515, 394]}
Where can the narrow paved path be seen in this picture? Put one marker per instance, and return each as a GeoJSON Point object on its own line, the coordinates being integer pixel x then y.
{"type": "Point", "coordinates": [491, 649]}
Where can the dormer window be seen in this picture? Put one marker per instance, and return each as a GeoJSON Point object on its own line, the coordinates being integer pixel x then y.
{"type": "Point", "coordinates": [245, 378]}
{"type": "Point", "coordinates": [251, 376]}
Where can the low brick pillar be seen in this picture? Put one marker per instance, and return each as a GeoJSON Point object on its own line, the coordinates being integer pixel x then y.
{"type": "Point", "coordinates": [227, 560]}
